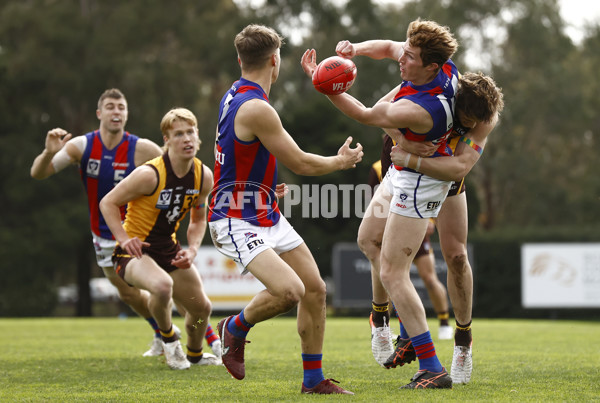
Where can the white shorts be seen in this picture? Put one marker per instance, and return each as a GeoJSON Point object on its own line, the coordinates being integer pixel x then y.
{"type": "Point", "coordinates": [104, 250]}
{"type": "Point", "coordinates": [242, 242]}
{"type": "Point", "coordinates": [414, 194]}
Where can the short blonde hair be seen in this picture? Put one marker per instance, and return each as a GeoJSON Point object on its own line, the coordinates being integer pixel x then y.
{"type": "Point", "coordinates": [436, 42]}
{"type": "Point", "coordinates": [174, 115]}
{"type": "Point", "coordinates": [177, 114]}
{"type": "Point", "coordinates": [255, 44]}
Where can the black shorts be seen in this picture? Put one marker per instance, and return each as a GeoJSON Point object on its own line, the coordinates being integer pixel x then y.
{"type": "Point", "coordinates": [457, 188]}
{"type": "Point", "coordinates": [425, 247]}
{"type": "Point", "coordinates": [161, 254]}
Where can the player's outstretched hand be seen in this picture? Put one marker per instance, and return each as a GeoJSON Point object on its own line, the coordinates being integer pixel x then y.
{"type": "Point", "coordinates": [56, 139]}
{"type": "Point", "coordinates": [309, 62]}
{"type": "Point", "coordinates": [350, 156]}
{"type": "Point", "coordinates": [134, 246]}
{"type": "Point", "coordinates": [281, 190]}
{"type": "Point", "coordinates": [345, 49]}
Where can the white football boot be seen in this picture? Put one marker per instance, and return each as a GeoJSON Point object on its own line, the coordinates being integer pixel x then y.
{"type": "Point", "coordinates": [208, 359]}
{"type": "Point", "coordinates": [156, 347]}
{"type": "Point", "coordinates": [445, 333]}
{"type": "Point", "coordinates": [382, 345]}
{"type": "Point", "coordinates": [462, 365]}
{"type": "Point", "coordinates": [175, 356]}
{"type": "Point", "coordinates": [216, 348]}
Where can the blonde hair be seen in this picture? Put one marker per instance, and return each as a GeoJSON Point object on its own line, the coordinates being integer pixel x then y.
{"type": "Point", "coordinates": [436, 42]}
{"type": "Point", "coordinates": [255, 44]}
{"type": "Point", "coordinates": [174, 115]}
{"type": "Point", "coordinates": [478, 97]}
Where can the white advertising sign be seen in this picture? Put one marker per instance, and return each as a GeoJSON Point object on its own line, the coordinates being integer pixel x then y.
{"type": "Point", "coordinates": [560, 275]}
{"type": "Point", "coordinates": [223, 282]}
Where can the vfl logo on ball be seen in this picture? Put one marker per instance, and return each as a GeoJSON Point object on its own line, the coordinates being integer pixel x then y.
{"type": "Point", "coordinates": [341, 86]}
{"type": "Point", "coordinates": [248, 200]}
{"type": "Point", "coordinates": [334, 75]}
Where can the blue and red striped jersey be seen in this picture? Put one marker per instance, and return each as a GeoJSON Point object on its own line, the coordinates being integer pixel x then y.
{"type": "Point", "coordinates": [245, 172]}
{"type": "Point", "coordinates": [437, 97]}
{"type": "Point", "coordinates": [101, 169]}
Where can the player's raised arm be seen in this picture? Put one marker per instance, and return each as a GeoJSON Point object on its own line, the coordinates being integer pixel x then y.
{"type": "Point", "coordinates": [384, 114]}
{"type": "Point", "coordinates": [259, 119]}
{"type": "Point", "coordinates": [375, 49]}
{"type": "Point", "coordinates": [60, 151]}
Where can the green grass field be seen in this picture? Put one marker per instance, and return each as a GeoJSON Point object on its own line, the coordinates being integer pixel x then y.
{"type": "Point", "coordinates": [100, 360]}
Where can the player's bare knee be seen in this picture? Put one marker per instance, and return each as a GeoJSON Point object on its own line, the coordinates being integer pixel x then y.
{"type": "Point", "coordinates": [130, 295]}
{"type": "Point", "coordinates": [428, 280]}
{"type": "Point", "coordinates": [199, 315]}
{"type": "Point", "coordinates": [371, 248]}
{"type": "Point", "coordinates": [386, 273]}
{"type": "Point", "coordinates": [163, 289]}
{"type": "Point", "coordinates": [290, 298]}
{"type": "Point", "coordinates": [205, 308]}
{"type": "Point", "coordinates": [317, 292]}
{"type": "Point", "coordinates": [386, 276]}
{"type": "Point", "coordinates": [457, 263]}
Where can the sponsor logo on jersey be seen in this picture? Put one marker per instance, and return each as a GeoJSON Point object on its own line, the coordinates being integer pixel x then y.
{"type": "Point", "coordinates": [255, 199]}
{"type": "Point", "coordinates": [164, 199]}
{"type": "Point", "coordinates": [253, 244]}
{"type": "Point", "coordinates": [173, 215]}
{"type": "Point", "coordinates": [249, 236]}
{"type": "Point", "coordinates": [93, 168]}
{"type": "Point", "coordinates": [433, 205]}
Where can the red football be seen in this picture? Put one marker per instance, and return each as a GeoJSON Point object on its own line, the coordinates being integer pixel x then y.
{"type": "Point", "coordinates": [334, 75]}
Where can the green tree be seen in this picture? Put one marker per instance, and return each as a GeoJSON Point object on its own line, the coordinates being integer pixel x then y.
{"type": "Point", "coordinates": [56, 58]}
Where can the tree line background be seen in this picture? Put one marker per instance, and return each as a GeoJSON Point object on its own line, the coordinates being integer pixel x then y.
{"type": "Point", "coordinates": [537, 180]}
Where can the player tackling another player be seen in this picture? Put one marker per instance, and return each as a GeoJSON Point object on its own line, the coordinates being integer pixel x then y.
{"type": "Point", "coordinates": [479, 103]}
{"type": "Point", "coordinates": [478, 108]}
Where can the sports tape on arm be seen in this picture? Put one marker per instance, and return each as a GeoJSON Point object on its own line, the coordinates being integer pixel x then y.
{"type": "Point", "coordinates": [62, 159]}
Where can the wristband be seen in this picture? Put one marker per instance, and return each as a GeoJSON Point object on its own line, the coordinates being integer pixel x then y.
{"type": "Point", "coordinates": [417, 165]}
{"type": "Point", "coordinates": [471, 144]}
{"type": "Point", "coordinates": [409, 157]}
{"type": "Point", "coordinates": [406, 160]}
